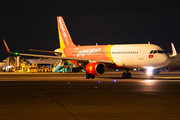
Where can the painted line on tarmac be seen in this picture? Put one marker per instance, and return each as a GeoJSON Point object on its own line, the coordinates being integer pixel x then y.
{"type": "Point", "coordinates": [168, 77]}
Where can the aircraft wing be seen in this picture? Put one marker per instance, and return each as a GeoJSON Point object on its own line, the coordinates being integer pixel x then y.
{"type": "Point", "coordinates": [58, 57]}
{"type": "Point", "coordinates": [44, 51]}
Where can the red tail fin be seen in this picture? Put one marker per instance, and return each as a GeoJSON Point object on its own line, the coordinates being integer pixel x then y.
{"type": "Point", "coordinates": [64, 36]}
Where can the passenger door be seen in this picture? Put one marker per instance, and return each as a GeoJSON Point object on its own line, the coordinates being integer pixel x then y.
{"type": "Point", "coordinates": [141, 53]}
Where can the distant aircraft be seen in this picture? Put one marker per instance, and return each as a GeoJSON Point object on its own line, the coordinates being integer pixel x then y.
{"type": "Point", "coordinates": [96, 58]}
{"type": "Point", "coordinates": [3, 64]}
{"type": "Point", "coordinates": [174, 65]}
{"type": "Point", "coordinates": [175, 60]}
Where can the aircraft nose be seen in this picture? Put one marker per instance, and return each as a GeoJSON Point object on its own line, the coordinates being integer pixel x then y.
{"type": "Point", "coordinates": [166, 60]}
{"type": "Point", "coordinates": [163, 61]}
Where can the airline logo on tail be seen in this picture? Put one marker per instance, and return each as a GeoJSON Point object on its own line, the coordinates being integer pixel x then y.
{"type": "Point", "coordinates": [62, 29]}
{"type": "Point", "coordinates": [64, 37]}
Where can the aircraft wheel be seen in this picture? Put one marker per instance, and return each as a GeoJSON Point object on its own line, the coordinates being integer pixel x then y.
{"type": "Point", "coordinates": [151, 77]}
{"type": "Point", "coordinates": [88, 76]}
{"type": "Point", "coordinates": [124, 75]}
{"type": "Point", "coordinates": [92, 76]}
{"type": "Point", "coordinates": [128, 75]}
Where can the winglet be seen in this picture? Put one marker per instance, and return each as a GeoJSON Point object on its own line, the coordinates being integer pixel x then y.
{"type": "Point", "coordinates": [174, 53]}
{"type": "Point", "coordinates": [6, 46]}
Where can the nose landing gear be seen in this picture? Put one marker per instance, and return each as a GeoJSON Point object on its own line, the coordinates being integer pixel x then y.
{"type": "Point", "coordinates": [150, 76]}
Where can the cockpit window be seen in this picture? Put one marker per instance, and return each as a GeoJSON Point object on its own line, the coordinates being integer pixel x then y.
{"type": "Point", "coordinates": [165, 52]}
{"type": "Point", "coordinates": [160, 51]}
{"type": "Point", "coordinates": [151, 52]}
{"type": "Point", "coordinates": [155, 51]}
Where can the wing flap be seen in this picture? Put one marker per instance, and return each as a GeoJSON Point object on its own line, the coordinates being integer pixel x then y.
{"type": "Point", "coordinates": [45, 51]}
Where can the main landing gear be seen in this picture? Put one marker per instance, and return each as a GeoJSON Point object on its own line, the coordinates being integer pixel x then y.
{"type": "Point", "coordinates": [88, 76]}
{"type": "Point", "coordinates": [126, 75]}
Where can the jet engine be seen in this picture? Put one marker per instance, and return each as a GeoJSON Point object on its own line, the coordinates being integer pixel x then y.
{"type": "Point", "coordinates": [95, 68]}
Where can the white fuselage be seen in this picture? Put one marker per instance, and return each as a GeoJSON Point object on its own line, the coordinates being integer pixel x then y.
{"type": "Point", "coordinates": [138, 56]}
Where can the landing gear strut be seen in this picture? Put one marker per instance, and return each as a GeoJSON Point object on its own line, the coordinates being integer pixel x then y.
{"type": "Point", "coordinates": [126, 75]}
{"type": "Point", "coordinates": [151, 72]}
{"type": "Point", "coordinates": [150, 77]}
{"type": "Point", "coordinates": [88, 76]}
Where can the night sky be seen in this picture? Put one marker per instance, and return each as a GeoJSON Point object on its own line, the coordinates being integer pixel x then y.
{"type": "Point", "coordinates": [25, 25]}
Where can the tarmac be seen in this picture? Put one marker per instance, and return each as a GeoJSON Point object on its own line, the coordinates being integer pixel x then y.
{"type": "Point", "coordinates": [70, 96]}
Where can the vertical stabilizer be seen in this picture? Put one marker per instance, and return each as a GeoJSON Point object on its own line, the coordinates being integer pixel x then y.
{"type": "Point", "coordinates": [64, 36]}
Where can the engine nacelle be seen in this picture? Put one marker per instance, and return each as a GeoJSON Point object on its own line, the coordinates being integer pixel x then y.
{"type": "Point", "coordinates": [171, 69]}
{"type": "Point", "coordinates": [95, 68]}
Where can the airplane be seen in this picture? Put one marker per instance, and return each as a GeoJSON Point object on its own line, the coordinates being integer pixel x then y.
{"type": "Point", "coordinates": [174, 65]}
{"type": "Point", "coordinates": [96, 58]}
{"type": "Point", "coordinates": [175, 60]}
{"type": "Point", "coordinates": [3, 65]}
